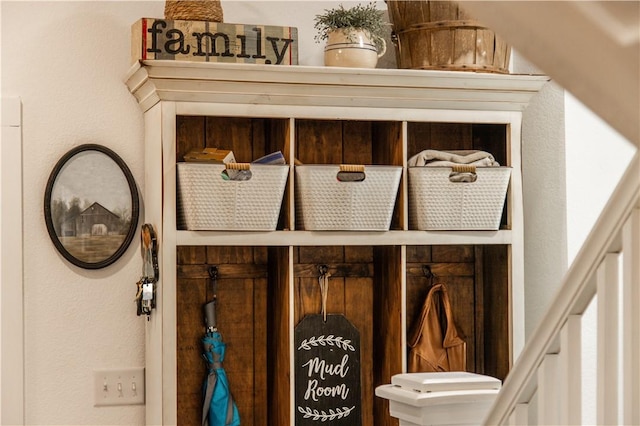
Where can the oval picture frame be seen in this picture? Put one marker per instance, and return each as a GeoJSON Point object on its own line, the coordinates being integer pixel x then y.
{"type": "Point", "coordinates": [91, 206]}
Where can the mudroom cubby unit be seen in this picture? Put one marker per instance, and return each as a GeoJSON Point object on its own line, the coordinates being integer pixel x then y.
{"type": "Point", "coordinates": [268, 282]}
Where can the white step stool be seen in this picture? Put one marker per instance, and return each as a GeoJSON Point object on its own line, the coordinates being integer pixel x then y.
{"type": "Point", "coordinates": [451, 398]}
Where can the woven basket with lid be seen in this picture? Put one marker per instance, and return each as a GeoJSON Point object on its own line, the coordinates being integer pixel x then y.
{"type": "Point", "coordinates": [193, 10]}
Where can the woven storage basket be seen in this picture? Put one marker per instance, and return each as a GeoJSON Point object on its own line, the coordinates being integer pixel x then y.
{"type": "Point", "coordinates": [193, 10]}
{"type": "Point", "coordinates": [438, 35]}
{"type": "Point", "coordinates": [323, 203]}
{"type": "Point", "coordinates": [208, 202]}
{"type": "Point", "coordinates": [436, 203]}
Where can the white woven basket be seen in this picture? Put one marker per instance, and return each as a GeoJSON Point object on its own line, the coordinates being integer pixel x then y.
{"type": "Point", "coordinates": [323, 203]}
{"type": "Point", "coordinates": [208, 202]}
{"type": "Point", "coordinates": [436, 203]}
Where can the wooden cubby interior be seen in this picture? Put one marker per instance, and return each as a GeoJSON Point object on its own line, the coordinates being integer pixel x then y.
{"type": "Point", "coordinates": [478, 284]}
{"type": "Point", "coordinates": [366, 282]}
{"type": "Point", "coordinates": [249, 138]}
{"type": "Point", "coordinates": [458, 136]}
{"type": "Point", "coordinates": [351, 142]}
{"type": "Point", "coordinates": [365, 287]}
{"type": "Point", "coordinates": [491, 138]}
{"type": "Point", "coordinates": [252, 316]}
{"type": "Point", "coordinates": [348, 142]}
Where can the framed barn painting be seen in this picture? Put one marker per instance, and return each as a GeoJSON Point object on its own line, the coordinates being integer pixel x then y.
{"type": "Point", "coordinates": [91, 206]}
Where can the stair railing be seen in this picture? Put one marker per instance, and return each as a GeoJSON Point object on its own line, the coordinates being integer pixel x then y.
{"type": "Point", "coordinates": [550, 366]}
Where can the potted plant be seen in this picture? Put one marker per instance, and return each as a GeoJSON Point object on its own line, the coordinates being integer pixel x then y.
{"type": "Point", "coordinates": [354, 36]}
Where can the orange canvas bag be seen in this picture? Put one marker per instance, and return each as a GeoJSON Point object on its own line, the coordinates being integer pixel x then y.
{"type": "Point", "coordinates": [435, 344]}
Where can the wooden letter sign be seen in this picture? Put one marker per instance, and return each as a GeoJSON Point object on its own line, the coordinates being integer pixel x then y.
{"type": "Point", "coordinates": [203, 41]}
{"type": "Point", "coordinates": [327, 371]}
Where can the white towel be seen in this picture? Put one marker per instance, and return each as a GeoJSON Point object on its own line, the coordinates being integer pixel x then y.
{"type": "Point", "coordinates": [435, 158]}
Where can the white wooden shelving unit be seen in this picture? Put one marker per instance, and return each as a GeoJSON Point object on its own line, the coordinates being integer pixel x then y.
{"type": "Point", "coordinates": [169, 89]}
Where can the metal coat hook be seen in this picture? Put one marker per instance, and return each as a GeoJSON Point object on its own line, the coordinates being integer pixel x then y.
{"type": "Point", "coordinates": [213, 272]}
{"type": "Point", "coordinates": [210, 307]}
{"type": "Point", "coordinates": [426, 270]}
{"type": "Point", "coordinates": [428, 273]}
{"type": "Point", "coordinates": [323, 280]}
{"type": "Point", "coordinates": [213, 279]}
{"type": "Point", "coordinates": [323, 269]}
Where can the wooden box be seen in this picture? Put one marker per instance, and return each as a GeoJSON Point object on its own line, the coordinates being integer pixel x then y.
{"type": "Point", "coordinates": [201, 41]}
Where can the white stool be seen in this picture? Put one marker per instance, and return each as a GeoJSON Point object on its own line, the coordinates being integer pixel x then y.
{"type": "Point", "coordinates": [452, 398]}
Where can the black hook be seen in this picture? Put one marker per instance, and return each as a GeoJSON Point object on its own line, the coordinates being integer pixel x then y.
{"type": "Point", "coordinates": [213, 279]}
{"type": "Point", "coordinates": [213, 272]}
{"type": "Point", "coordinates": [426, 270]}
{"type": "Point", "coordinates": [428, 273]}
{"type": "Point", "coordinates": [323, 269]}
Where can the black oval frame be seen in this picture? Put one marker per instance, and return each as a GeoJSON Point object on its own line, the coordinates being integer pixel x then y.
{"type": "Point", "coordinates": [135, 206]}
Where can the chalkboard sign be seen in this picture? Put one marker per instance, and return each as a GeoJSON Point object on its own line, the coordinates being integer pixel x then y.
{"type": "Point", "coordinates": [327, 371]}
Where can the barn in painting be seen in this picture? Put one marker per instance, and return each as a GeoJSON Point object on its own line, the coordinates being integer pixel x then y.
{"type": "Point", "coordinates": [94, 220]}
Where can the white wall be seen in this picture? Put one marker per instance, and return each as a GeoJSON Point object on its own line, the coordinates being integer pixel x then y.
{"type": "Point", "coordinates": [597, 156]}
{"type": "Point", "coordinates": [543, 176]}
{"type": "Point", "coordinates": [11, 271]}
{"type": "Point", "coordinates": [572, 161]}
{"type": "Point", "coordinates": [66, 60]}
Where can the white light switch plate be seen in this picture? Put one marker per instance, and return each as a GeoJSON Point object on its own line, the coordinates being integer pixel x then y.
{"type": "Point", "coordinates": [123, 386]}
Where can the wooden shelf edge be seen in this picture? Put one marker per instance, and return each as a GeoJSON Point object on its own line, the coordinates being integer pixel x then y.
{"type": "Point", "coordinates": [341, 238]}
{"type": "Point", "coordinates": [161, 80]}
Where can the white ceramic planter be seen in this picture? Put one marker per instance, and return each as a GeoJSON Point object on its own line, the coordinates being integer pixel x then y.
{"type": "Point", "coordinates": [353, 48]}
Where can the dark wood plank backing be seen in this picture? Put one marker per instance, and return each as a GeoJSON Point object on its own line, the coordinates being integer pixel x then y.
{"type": "Point", "coordinates": [458, 136]}
{"type": "Point", "coordinates": [352, 142]}
{"type": "Point", "coordinates": [242, 312]}
{"type": "Point", "coordinates": [477, 280]}
{"type": "Point", "coordinates": [248, 138]}
{"type": "Point", "coordinates": [278, 342]}
{"type": "Point", "coordinates": [357, 290]}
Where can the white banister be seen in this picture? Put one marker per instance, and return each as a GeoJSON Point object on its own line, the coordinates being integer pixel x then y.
{"type": "Point", "coordinates": [595, 270]}
{"type": "Point", "coordinates": [631, 319]}
{"type": "Point", "coordinates": [520, 415]}
{"type": "Point", "coordinates": [570, 373]}
{"type": "Point", "coordinates": [548, 395]}
{"type": "Point", "coordinates": [608, 341]}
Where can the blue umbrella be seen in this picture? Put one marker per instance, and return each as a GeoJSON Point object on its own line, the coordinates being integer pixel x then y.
{"type": "Point", "coordinates": [219, 408]}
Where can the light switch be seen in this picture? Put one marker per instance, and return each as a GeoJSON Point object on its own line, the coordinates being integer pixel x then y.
{"type": "Point", "coordinates": [118, 386]}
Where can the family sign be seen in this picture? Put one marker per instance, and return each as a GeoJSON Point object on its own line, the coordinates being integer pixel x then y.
{"type": "Point", "coordinates": [203, 41]}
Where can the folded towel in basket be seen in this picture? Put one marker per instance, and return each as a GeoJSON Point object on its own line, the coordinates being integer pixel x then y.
{"type": "Point", "coordinates": [435, 158]}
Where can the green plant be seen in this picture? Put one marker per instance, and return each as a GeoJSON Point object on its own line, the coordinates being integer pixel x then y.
{"type": "Point", "coordinates": [359, 17]}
